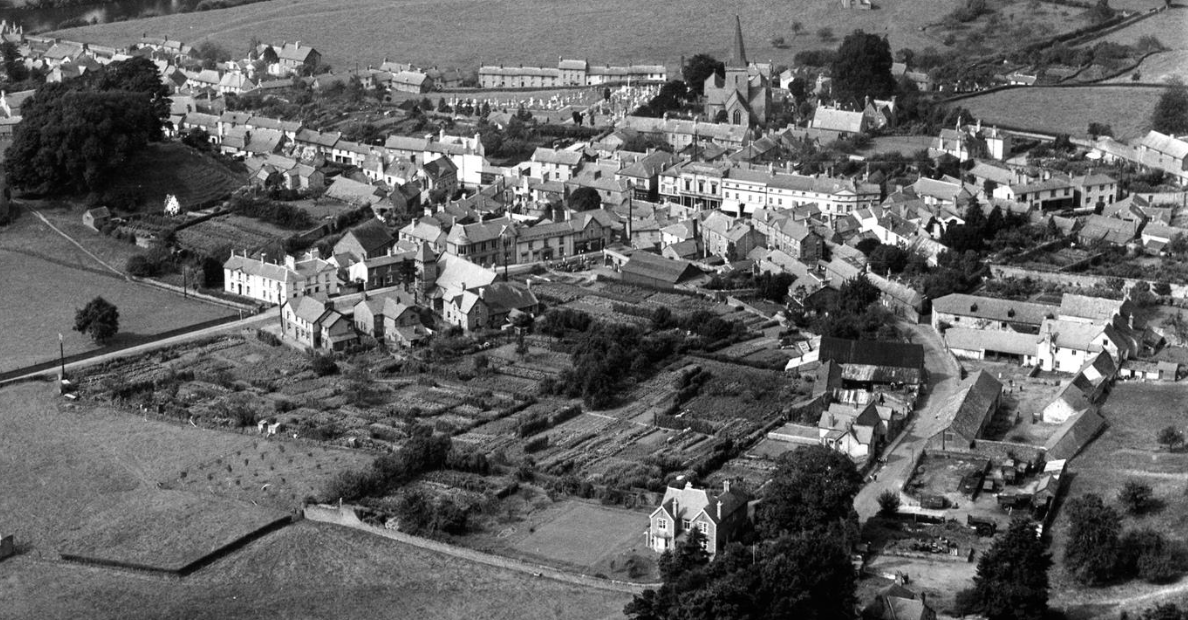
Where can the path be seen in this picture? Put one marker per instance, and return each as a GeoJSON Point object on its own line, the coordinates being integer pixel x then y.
{"type": "Point", "coordinates": [77, 244]}
{"type": "Point", "coordinates": [927, 420]}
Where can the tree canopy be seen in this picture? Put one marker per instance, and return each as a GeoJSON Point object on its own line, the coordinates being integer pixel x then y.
{"type": "Point", "coordinates": [698, 69]}
{"type": "Point", "coordinates": [585, 199]}
{"type": "Point", "coordinates": [1091, 556]}
{"type": "Point", "coordinates": [74, 134]}
{"type": "Point", "coordinates": [99, 318]}
{"type": "Point", "coordinates": [862, 68]}
{"type": "Point", "coordinates": [1171, 111]}
{"type": "Point", "coordinates": [1012, 577]}
{"type": "Point", "coordinates": [813, 490]}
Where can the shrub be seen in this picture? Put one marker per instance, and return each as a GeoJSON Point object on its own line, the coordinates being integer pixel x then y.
{"type": "Point", "coordinates": [323, 365]}
{"type": "Point", "coordinates": [1136, 497]}
{"type": "Point", "coordinates": [537, 444]}
{"type": "Point", "coordinates": [888, 503]}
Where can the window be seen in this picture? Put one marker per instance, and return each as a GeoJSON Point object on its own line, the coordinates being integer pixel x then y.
{"type": "Point", "coordinates": [684, 524]}
{"type": "Point", "coordinates": [704, 527]}
{"type": "Point", "coordinates": [737, 118]}
{"type": "Point", "coordinates": [662, 525]}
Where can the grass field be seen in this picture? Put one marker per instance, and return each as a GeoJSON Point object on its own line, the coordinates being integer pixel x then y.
{"type": "Point", "coordinates": [1127, 451]}
{"type": "Point", "coordinates": [585, 535]}
{"type": "Point", "coordinates": [49, 278]}
{"type": "Point", "coordinates": [306, 570]}
{"type": "Point", "coordinates": [64, 467]}
{"type": "Point", "coordinates": [168, 530]}
{"type": "Point", "coordinates": [1169, 27]}
{"type": "Point", "coordinates": [465, 33]}
{"type": "Point", "coordinates": [1068, 110]}
{"type": "Point", "coordinates": [1160, 68]}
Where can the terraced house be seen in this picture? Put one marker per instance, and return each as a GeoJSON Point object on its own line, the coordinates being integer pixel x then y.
{"type": "Point", "coordinates": [274, 283]}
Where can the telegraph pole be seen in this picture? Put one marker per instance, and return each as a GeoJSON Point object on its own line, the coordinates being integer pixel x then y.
{"type": "Point", "coordinates": [62, 356]}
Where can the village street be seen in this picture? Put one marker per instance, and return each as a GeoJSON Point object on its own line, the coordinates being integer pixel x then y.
{"type": "Point", "coordinates": [927, 420]}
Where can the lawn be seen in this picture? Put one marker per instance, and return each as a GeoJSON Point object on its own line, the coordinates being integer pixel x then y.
{"type": "Point", "coordinates": [1067, 110]}
{"type": "Point", "coordinates": [466, 33]}
{"type": "Point", "coordinates": [1127, 451]}
{"type": "Point", "coordinates": [49, 278]}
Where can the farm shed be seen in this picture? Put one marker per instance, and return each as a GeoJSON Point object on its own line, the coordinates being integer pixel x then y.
{"type": "Point", "coordinates": [973, 406]}
{"type": "Point", "coordinates": [1149, 370]}
{"type": "Point", "coordinates": [1074, 434]}
{"type": "Point", "coordinates": [981, 344]}
{"type": "Point", "coordinates": [867, 362]}
{"type": "Point", "coordinates": [657, 272]}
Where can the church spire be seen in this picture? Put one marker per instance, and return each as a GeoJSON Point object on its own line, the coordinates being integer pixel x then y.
{"type": "Point", "coordinates": [738, 55]}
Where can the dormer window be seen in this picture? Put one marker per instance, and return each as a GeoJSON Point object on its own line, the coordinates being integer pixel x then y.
{"type": "Point", "coordinates": [973, 308]}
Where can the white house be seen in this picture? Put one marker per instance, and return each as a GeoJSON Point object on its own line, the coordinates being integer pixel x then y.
{"type": "Point", "coordinates": [274, 283]}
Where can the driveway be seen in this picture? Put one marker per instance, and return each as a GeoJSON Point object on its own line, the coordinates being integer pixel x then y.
{"type": "Point", "coordinates": [927, 420]}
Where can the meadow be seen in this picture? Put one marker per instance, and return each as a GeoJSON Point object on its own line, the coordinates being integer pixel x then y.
{"type": "Point", "coordinates": [69, 469]}
{"type": "Point", "coordinates": [467, 33]}
{"type": "Point", "coordinates": [1067, 110]}
{"type": "Point", "coordinates": [1127, 450]}
{"type": "Point", "coordinates": [49, 278]}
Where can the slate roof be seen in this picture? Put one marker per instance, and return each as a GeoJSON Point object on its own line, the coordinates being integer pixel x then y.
{"type": "Point", "coordinates": [1096, 309]}
{"type": "Point", "coordinates": [871, 353]}
{"type": "Point", "coordinates": [973, 404]}
{"type": "Point", "coordinates": [659, 268]}
{"type": "Point", "coordinates": [509, 296]}
{"type": "Point", "coordinates": [837, 120]}
{"type": "Point", "coordinates": [1074, 434]}
{"type": "Point", "coordinates": [992, 309]}
{"type": "Point", "coordinates": [997, 341]}
{"type": "Point", "coordinates": [553, 156]}
{"type": "Point", "coordinates": [372, 235]}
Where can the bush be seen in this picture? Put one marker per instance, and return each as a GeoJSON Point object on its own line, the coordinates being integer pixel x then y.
{"type": "Point", "coordinates": [323, 365]}
{"type": "Point", "coordinates": [888, 503]}
{"type": "Point", "coordinates": [1136, 498]}
{"type": "Point", "coordinates": [537, 444]}
{"type": "Point", "coordinates": [268, 338]}
{"type": "Point", "coordinates": [140, 266]}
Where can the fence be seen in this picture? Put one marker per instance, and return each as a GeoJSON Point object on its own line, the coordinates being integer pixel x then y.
{"type": "Point", "coordinates": [345, 516]}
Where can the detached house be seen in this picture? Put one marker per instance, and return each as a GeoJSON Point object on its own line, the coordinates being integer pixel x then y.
{"type": "Point", "coordinates": [718, 517]}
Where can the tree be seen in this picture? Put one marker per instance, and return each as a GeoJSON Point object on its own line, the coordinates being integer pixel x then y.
{"type": "Point", "coordinates": [1164, 611]}
{"type": "Point", "coordinates": [825, 34]}
{"type": "Point", "coordinates": [1100, 129]}
{"type": "Point", "coordinates": [688, 556]}
{"type": "Point", "coordinates": [1171, 112]}
{"type": "Point", "coordinates": [1149, 556]}
{"type": "Point", "coordinates": [74, 134]}
{"type": "Point", "coordinates": [698, 69]}
{"type": "Point", "coordinates": [14, 67]}
{"type": "Point", "coordinates": [862, 68]}
{"type": "Point", "coordinates": [797, 28]}
{"type": "Point", "coordinates": [1169, 437]}
{"type": "Point", "coordinates": [585, 199]}
{"type": "Point", "coordinates": [1091, 556]}
{"type": "Point", "coordinates": [888, 503]}
{"type": "Point", "coordinates": [99, 318]}
{"type": "Point", "coordinates": [1011, 582]}
{"type": "Point", "coordinates": [888, 259]}
{"type": "Point", "coordinates": [813, 489]}
{"type": "Point", "coordinates": [269, 56]}
{"type": "Point", "coordinates": [1136, 497]}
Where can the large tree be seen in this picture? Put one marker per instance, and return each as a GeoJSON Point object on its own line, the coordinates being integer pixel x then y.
{"type": "Point", "coordinates": [862, 68]}
{"type": "Point", "coordinates": [99, 318]}
{"type": "Point", "coordinates": [1012, 577]}
{"type": "Point", "coordinates": [73, 135]}
{"type": "Point", "coordinates": [585, 199]}
{"type": "Point", "coordinates": [813, 490]}
{"type": "Point", "coordinates": [1092, 554]}
{"type": "Point", "coordinates": [698, 69]}
{"type": "Point", "coordinates": [1171, 112]}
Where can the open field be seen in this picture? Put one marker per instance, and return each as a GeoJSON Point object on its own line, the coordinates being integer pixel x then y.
{"type": "Point", "coordinates": [1126, 451]}
{"type": "Point", "coordinates": [466, 33]}
{"type": "Point", "coordinates": [306, 570]}
{"type": "Point", "coordinates": [1068, 110]}
{"type": "Point", "coordinates": [235, 231]}
{"type": "Point", "coordinates": [1169, 27]}
{"type": "Point", "coordinates": [69, 466]}
{"type": "Point", "coordinates": [167, 530]}
{"type": "Point", "coordinates": [1161, 67]}
{"type": "Point", "coordinates": [50, 278]}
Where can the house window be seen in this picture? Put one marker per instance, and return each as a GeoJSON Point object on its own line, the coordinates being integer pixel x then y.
{"type": "Point", "coordinates": [684, 524]}
{"type": "Point", "coordinates": [662, 525]}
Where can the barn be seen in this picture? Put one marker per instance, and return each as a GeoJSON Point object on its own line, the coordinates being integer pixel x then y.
{"type": "Point", "coordinates": [867, 363]}
{"type": "Point", "coordinates": [658, 272]}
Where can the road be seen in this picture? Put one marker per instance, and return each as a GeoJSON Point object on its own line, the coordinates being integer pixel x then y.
{"type": "Point", "coordinates": [927, 420]}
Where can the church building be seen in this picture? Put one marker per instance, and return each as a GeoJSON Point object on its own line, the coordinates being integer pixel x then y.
{"type": "Point", "coordinates": [744, 94]}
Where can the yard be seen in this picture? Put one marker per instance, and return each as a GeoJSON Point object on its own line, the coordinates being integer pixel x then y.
{"type": "Point", "coordinates": [1068, 110]}
{"type": "Point", "coordinates": [54, 278]}
{"type": "Point", "coordinates": [529, 31]}
{"type": "Point", "coordinates": [1127, 451]}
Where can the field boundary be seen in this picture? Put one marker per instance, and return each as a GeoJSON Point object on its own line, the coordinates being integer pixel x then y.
{"type": "Point", "coordinates": [186, 569]}
{"type": "Point", "coordinates": [345, 516]}
{"type": "Point", "coordinates": [77, 244]}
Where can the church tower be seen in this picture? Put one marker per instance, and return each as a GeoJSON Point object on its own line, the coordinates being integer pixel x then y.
{"type": "Point", "coordinates": [426, 266]}
{"type": "Point", "coordinates": [736, 62]}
